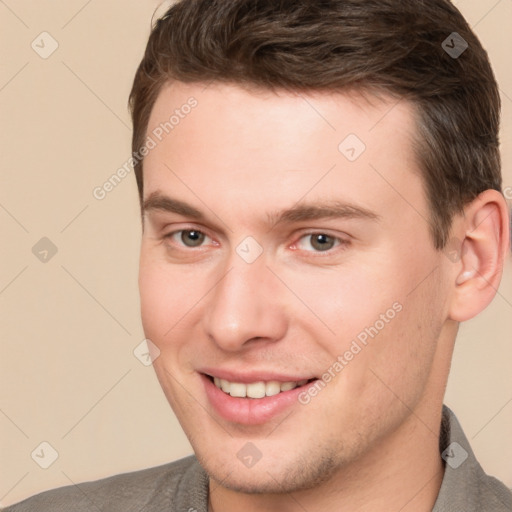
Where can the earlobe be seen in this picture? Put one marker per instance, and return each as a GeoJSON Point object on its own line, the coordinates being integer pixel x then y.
{"type": "Point", "coordinates": [484, 230]}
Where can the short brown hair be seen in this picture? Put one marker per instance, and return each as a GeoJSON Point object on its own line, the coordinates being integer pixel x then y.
{"type": "Point", "coordinates": [390, 46]}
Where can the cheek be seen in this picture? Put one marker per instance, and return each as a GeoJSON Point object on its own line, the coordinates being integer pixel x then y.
{"type": "Point", "coordinates": [402, 354]}
{"type": "Point", "coordinates": [165, 296]}
{"type": "Point", "coordinates": [172, 299]}
{"type": "Point", "coordinates": [343, 302]}
{"type": "Point", "coordinates": [376, 314]}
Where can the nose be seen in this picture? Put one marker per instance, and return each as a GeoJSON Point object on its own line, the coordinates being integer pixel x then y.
{"type": "Point", "coordinates": [245, 307]}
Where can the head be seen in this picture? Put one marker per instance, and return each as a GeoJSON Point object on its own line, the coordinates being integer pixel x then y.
{"type": "Point", "coordinates": [296, 220]}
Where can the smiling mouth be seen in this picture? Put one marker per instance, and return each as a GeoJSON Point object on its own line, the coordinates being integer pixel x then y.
{"type": "Point", "coordinates": [258, 389]}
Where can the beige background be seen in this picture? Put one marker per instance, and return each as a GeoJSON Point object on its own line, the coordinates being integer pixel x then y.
{"type": "Point", "coordinates": [69, 326]}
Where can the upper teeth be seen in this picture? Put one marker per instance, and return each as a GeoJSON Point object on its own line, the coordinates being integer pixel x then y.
{"type": "Point", "coordinates": [255, 389]}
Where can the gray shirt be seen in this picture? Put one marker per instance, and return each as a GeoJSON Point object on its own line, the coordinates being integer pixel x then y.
{"type": "Point", "coordinates": [182, 486]}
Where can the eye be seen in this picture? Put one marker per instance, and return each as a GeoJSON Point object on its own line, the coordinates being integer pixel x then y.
{"type": "Point", "coordinates": [319, 242]}
{"type": "Point", "coordinates": [188, 237]}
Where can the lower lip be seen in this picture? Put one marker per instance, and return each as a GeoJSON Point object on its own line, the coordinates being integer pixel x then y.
{"type": "Point", "coordinates": [250, 411]}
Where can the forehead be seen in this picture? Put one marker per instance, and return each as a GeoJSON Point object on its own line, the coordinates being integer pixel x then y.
{"type": "Point", "coordinates": [225, 141]}
{"type": "Point", "coordinates": [230, 105]}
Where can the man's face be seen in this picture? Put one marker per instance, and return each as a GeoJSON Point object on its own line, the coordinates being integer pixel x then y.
{"type": "Point", "coordinates": [283, 256]}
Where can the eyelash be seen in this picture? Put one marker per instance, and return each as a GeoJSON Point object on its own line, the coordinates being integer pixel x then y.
{"type": "Point", "coordinates": [340, 243]}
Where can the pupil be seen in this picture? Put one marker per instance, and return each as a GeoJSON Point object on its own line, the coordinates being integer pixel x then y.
{"type": "Point", "coordinates": [192, 238]}
{"type": "Point", "coordinates": [322, 242]}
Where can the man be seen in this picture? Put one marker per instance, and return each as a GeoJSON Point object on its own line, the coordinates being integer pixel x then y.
{"type": "Point", "coordinates": [320, 190]}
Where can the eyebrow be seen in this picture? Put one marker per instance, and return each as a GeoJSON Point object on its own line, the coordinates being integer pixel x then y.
{"type": "Point", "coordinates": [323, 210]}
{"type": "Point", "coordinates": [297, 213]}
{"type": "Point", "coordinates": [160, 202]}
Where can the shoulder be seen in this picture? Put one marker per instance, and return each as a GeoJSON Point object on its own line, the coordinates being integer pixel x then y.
{"type": "Point", "coordinates": [493, 494]}
{"type": "Point", "coordinates": [465, 485]}
{"type": "Point", "coordinates": [158, 488]}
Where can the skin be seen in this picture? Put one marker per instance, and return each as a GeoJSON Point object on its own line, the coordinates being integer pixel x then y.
{"type": "Point", "coordinates": [369, 440]}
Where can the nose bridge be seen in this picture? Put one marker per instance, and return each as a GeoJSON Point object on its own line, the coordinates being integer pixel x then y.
{"type": "Point", "coordinates": [243, 305]}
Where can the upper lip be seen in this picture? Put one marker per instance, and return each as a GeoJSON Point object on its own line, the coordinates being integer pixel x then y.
{"type": "Point", "coordinates": [253, 375]}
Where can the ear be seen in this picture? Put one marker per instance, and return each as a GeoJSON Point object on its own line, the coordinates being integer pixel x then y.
{"type": "Point", "coordinates": [484, 231]}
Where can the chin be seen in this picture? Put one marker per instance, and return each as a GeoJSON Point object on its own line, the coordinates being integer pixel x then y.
{"type": "Point", "coordinates": [272, 477]}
